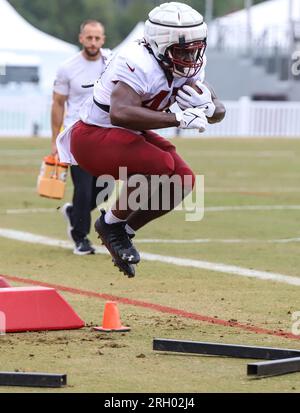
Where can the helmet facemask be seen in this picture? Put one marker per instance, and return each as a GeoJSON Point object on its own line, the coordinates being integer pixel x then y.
{"type": "Point", "coordinates": [186, 59]}
{"type": "Point", "coordinates": [176, 34]}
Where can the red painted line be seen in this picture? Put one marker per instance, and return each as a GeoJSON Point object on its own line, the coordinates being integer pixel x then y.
{"type": "Point", "coordinates": [159, 308]}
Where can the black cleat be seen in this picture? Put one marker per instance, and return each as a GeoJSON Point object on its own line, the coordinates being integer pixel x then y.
{"type": "Point", "coordinates": [117, 241]}
{"type": "Point", "coordinates": [126, 269]}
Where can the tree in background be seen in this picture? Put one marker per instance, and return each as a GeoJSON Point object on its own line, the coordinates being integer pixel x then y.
{"type": "Point", "coordinates": [62, 18]}
{"type": "Point", "coordinates": [58, 17]}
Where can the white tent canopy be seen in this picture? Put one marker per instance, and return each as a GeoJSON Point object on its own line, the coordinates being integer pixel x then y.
{"type": "Point", "coordinates": [19, 37]}
{"type": "Point", "coordinates": [269, 23]}
{"type": "Point", "coordinates": [17, 34]}
{"type": "Point", "coordinates": [136, 33]}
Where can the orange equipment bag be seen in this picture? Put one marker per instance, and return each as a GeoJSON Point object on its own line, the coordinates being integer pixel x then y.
{"type": "Point", "coordinates": [51, 181]}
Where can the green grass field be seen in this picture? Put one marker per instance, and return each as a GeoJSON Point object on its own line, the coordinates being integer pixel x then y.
{"type": "Point", "coordinates": [238, 173]}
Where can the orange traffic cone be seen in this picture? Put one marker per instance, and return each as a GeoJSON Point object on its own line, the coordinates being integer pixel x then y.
{"type": "Point", "coordinates": [4, 283]}
{"type": "Point", "coordinates": [111, 319]}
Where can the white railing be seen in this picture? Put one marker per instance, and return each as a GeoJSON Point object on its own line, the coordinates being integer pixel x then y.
{"type": "Point", "coordinates": [246, 118]}
{"type": "Point", "coordinates": [24, 116]}
{"type": "Point", "coordinates": [28, 116]}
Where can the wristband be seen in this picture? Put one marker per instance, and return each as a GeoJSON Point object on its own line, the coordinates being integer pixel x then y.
{"type": "Point", "coordinates": [179, 116]}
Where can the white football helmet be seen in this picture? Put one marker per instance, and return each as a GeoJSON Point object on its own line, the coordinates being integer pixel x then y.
{"type": "Point", "coordinates": [176, 34]}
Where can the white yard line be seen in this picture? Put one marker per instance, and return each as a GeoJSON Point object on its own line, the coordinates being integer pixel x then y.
{"type": "Point", "coordinates": [216, 241]}
{"type": "Point", "coordinates": [181, 262]}
{"type": "Point", "coordinates": [207, 209]}
{"type": "Point", "coordinates": [35, 239]}
{"type": "Point", "coordinates": [250, 191]}
{"type": "Point", "coordinates": [194, 241]}
{"type": "Point", "coordinates": [253, 208]}
{"type": "Point", "coordinates": [249, 154]}
{"type": "Point", "coordinates": [286, 241]}
{"type": "Point", "coordinates": [30, 211]}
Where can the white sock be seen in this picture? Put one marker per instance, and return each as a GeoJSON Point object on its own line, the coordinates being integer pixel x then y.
{"type": "Point", "coordinates": [110, 218]}
{"type": "Point", "coordinates": [129, 230]}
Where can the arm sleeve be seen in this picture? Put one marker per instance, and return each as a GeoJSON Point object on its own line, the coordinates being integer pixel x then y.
{"type": "Point", "coordinates": [132, 74]}
{"type": "Point", "coordinates": [62, 83]}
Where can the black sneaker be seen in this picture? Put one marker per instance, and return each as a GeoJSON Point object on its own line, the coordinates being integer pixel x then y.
{"type": "Point", "coordinates": [66, 211]}
{"type": "Point", "coordinates": [84, 247]}
{"type": "Point", "coordinates": [117, 241]}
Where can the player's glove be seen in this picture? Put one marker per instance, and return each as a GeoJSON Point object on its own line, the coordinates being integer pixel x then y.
{"type": "Point", "coordinates": [192, 118]}
{"type": "Point", "coordinates": [187, 97]}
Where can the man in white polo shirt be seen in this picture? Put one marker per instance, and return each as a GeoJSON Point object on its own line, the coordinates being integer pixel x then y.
{"type": "Point", "coordinates": [68, 95]}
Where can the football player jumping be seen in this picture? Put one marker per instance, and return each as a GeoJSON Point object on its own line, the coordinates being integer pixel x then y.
{"type": "Point", "coordinates": [132, 97]}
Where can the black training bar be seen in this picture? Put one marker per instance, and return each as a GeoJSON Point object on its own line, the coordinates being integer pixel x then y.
{"type": "Point", "coordinates": [274, 368]}
{"type": "Point", "coordinates": [227, 350]}
{"type": "Point", "coordinates": [32, 379]}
